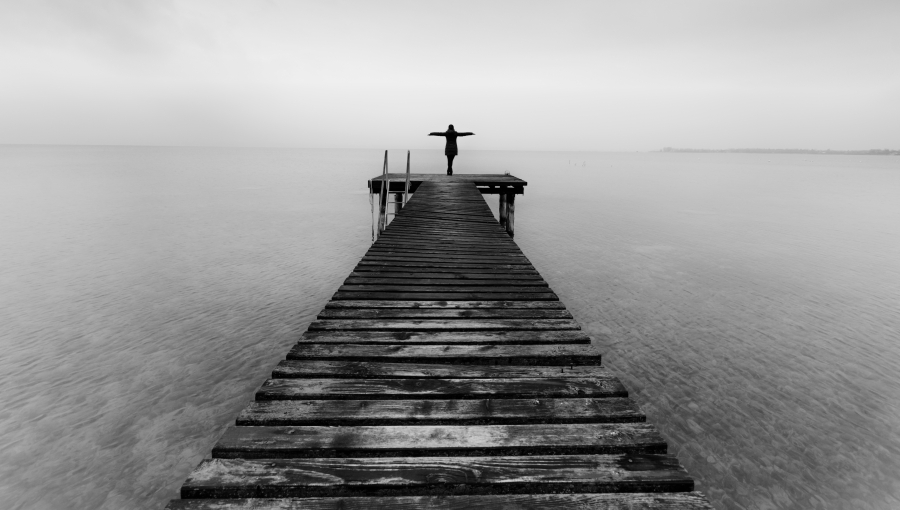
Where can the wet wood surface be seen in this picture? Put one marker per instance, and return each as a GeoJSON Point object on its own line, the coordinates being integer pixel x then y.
{"type": "Point", "coordinates": [504, 354]}
{"type": "Point", "coordinates": [444, 337]}
{"type": "Point", "coordinates": [436, 324]}
{"type": "Point", "coordinates": [437, 440]}
{"type": "Point", "coordinates": [447, 501]}
{"type": "Point", "coordinates": [401, 388]}
{"type": "Point", "coordinates": [445, 305]}
{"type": "Point", "coordinates": [288, 369]}
{"type": "Point", "coordinates": [225, 478]}
{"type": "Point", "coordinates": [443, 373]}
{"type": "Point", "coordinates": [494, 411]}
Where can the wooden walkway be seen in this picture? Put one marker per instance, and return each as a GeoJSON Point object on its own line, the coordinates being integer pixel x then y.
{"type": "Point", "coordinates": [444, 373]}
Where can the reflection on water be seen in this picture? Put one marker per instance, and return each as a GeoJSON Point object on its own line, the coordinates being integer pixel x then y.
{"type": "Point", "coordinates": [750, 302]}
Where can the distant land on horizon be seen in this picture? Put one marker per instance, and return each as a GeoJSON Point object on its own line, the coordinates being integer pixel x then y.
{"type": "Point", "coordinates": [870, 152]}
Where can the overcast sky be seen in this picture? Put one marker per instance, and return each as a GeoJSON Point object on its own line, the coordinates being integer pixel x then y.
{"type": "Point", "coordinates": [613, 75]}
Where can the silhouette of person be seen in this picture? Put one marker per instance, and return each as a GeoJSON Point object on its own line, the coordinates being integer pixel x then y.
{"type": "Point", "coordinates": [450, 150]}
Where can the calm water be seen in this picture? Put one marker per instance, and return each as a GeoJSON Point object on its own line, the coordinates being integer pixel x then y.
{"type": "Point", "coordinates": [751, 303]}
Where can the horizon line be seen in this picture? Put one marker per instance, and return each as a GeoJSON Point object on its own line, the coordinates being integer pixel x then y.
{"type": "Point", "coordinates": [292, 147]}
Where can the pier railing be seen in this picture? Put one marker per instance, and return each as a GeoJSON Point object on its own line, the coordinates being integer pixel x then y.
{"type": "Point", "coordinates": [384, 200]}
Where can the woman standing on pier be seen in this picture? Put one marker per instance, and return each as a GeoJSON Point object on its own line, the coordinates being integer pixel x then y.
{"type": "Point", "coordinates": [450, 150]}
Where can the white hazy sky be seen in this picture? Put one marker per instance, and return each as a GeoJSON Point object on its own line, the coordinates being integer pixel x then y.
{"type": "Point", "coordinates": [613, 75]}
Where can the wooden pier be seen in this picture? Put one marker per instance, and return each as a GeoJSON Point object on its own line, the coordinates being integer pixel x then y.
{"type": "Point", "coordinates": [443, 374]}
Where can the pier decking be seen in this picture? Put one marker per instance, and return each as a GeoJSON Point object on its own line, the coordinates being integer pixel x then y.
{"type": "Point", "coordinates": [444, 373]}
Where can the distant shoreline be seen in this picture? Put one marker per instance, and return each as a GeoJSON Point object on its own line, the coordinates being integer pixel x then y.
{"type": "Point", "coordinates": [870, 152]}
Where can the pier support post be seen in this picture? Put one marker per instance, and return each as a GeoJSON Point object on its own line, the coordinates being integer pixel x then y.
{"type": "Point", "coordinates": [382, 210]}
{"type": "Point", "coordinates": [511, 214]}
{"type": "Point", "coordinates": [398, 202]}
{"type": "Point", "coordinates": [503, 210]}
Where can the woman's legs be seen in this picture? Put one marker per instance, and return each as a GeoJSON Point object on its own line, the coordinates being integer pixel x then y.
{"type": "Point", "coordinates": [450, 163]}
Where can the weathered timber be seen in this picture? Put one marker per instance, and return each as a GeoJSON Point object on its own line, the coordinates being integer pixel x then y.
{"type": "Point", "coordinates": [444, 282]}
{"type": "Point", "coordinates": [444, 253]}
{"type": "Point", "coordinates": [443, 325]}
{"type": "Point", "coordinates": [584, 501]}
{"type": "Point", "coordinates": [441, 305]}
{"type": "Point", "coordinates": [511, 214]}
{"type": "Point", "coordinates": [479, 475]}
{"type": "Point", "coordinates": [447, 239]}
{"type": "Point", "coordinates": [444, 337]}
{"type": "Point", "coordinates": [448, 296]}
{"type": "Point", "coordinates": [439, 238]}
{"type": "Point", "coordinates": [428, 313]}
{"type": "Point", "coordinates": [487, 181]}
{"type": "Point", "coordinates": [441, 412]}
{"type": "Point", "coordinates": [404, 388]}
{"type": "Point", "coordinates": [370, 370]}
{"type": "Point", "coordinates": [445, 266]}
{"type": "Point", "coordinates": [549, 355]}
{"type": "Point", "coordinates": [437, 440]}
{"type": "Point", "coordinates": [442, 288]}
{"type": "Point", "coordinates": [457, 275]}
{"type": "Point", "coordinates": [448, 259]}
{"type": "Point", "coordinates": [503, 257]}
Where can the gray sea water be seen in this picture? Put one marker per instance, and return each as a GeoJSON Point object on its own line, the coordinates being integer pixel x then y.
{"type": "Point", "coordinates": [751, 303]}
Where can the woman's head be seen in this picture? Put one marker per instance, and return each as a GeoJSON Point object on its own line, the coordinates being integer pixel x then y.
{"type": "Point", "coordinates": [450, 128]}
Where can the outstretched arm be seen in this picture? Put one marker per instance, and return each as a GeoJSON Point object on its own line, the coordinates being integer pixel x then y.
{"type": "Point", "coordinates": [465, 134]}
{"type": "Point", "coordinates": [437, 133]}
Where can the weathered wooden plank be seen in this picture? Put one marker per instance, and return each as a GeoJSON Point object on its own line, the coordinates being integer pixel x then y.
{"type": "Point", "coordinates": [581, 501]}
{"type": "Point", "coordinates": [456, 212]}
{"type": "Point", "coordinates": [445, 209]}
{"type": "Point", "coordinates": [549, 355]}
{"type": "Point", "coordinates": [445, 337]}
{"type": "Point", "coordinates": [442, 288]}
{"type": "Point", "coordinates": [406, 388]}
{"type": "Point", "coordinates": [223, 478]}
{"type": "Point", "coordinates": [452, 305]}
{"type": "Point", "coordinates": [443, 266]}
{"type": "Point", "coordinates": [433, 223]}
{"type": "Point", "coordinates": [432, 227]}
{"type": "Point", "coordinates": [497, 239]}
{"type": "Point", "coordinates": [444, 325]}
{"type": "Point", "coordinates": [426, 313]}
{"type": "Point", "coordinates": [288, 369]}
{"type": "Point", "coordinates": [461, 244]}
{"type": "Point", "coordinates": [470, 260]}
{"type": "Point", "coordinates": [441, 412]}
{"type": "Point", "coordinates": [368, 265]}
{"type": "Point", "coordinates": [436, 235]}
{"type": "Point", "coordinates": [445, 182]}
{"type": "Point", "coordinates": [463, 276]}
{"type": "Point", "coordinates": [448, 296]}
{"type": "Point", "coordinates": [424, 248]}
{"type": "Point", "coordinates": [432, 283]}
{"type": "Point", "coordinates": [451, 212]}
{"type": "Point", "coordinates": [448, 247]}
{"type": "Point", "coordinates": [499, 255]}
{"type": "Point", "coordinates": [438, 440]}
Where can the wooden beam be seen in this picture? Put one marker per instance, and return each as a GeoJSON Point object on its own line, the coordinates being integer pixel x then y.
{"type": "Point", "coordinates": [631, 501]}
{"type": "Point", "coordinates": [440, 412]}
{"type": "Point", "coordinates": [438, 440]}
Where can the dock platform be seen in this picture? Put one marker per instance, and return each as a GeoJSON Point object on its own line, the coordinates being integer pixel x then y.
{"type": "Point", "coordinates": [443, 374]}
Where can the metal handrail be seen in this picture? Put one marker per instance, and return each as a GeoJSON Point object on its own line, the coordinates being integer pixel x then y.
{"type": "Point", "coordinates": [384, 196]}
